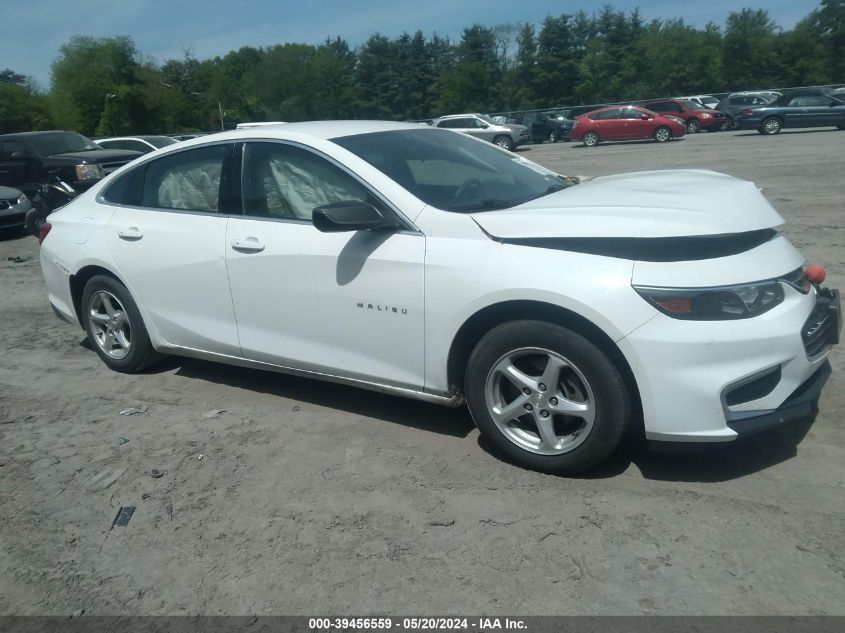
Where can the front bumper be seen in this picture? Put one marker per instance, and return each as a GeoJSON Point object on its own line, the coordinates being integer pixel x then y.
{"type": "Point", "coordinates": [13, 216]}
{"type": "Point", "coordinates": [801, 405]}
{"type": "Point", "coordinates": [688, 371]}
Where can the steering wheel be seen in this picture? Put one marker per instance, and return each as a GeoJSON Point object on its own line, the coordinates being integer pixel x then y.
{"type": "Point", "coordinates": [464, 188]}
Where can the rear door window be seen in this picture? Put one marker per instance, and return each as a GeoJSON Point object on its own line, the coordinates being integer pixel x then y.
{"type": "Point", "coordinates": [188, 181]}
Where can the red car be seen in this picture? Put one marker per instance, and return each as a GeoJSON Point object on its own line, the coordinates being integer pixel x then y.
{"type": "Point", "coordinates": [696, 116]}
{"type": "Point", "coordinates": [625, 123]}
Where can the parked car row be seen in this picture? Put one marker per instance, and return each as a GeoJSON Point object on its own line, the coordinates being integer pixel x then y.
{"type": "Point", "coordinates": [767, 112]}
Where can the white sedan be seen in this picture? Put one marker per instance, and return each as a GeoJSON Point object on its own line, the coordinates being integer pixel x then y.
{"type": "Point", "coordinates": [425, 263]}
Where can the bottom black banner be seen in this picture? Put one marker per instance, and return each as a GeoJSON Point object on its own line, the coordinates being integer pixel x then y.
{"type": "Point", "coordinates": [485, 624]}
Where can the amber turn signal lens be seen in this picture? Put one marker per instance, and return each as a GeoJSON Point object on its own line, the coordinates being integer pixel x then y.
{"type": "Point", "coordinates": [675, 305]}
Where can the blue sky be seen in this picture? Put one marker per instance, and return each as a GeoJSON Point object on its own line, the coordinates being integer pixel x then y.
{"type": "Point", "coordinates": [35, 29]}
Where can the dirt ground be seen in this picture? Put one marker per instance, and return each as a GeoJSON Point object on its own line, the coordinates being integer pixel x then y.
{"type": "Point", "coordinates": [302, 497]}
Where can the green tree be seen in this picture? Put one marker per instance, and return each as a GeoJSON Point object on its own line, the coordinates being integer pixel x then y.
{"type": "Point", "coordinates": [86, 71]}
{"type": "Point", "coordinates": [22, 106]}
{"type": "Point", "coordinates": [749, 50]}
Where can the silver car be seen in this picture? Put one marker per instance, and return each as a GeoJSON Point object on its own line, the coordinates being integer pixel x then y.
{"type": "Point", "coordinates": [13, 207]}
{"type": "Point", "coordinates": [506, 136]}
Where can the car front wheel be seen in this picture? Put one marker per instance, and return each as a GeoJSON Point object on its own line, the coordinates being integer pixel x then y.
{"type": "Point", "coordinates": [693, 126]}
{"type": "Point", "coordinates": [546, 397]}
{"type": "Point", "coordinates": [115, 327]}
{"type": "Point", "coordinates": [662, 134]}
{"type": "Point", "coordinates": [553, 137]}
{"type": "Point", "coordinates": [504, 142]}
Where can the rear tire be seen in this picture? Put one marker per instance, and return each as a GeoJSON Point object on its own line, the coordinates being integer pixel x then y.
{"type": "Point", "coordinates": [590, 139]}
{"type": "Point", "coordinates": [770, 126]}
{"type": "Point", "coordinates": [567, 426]}
{"type": "Point", "coordinates": [553, 137]}
{"type": "Point", "coordinates": [114, 326]}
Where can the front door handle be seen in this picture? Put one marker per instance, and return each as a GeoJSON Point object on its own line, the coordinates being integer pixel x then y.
{"type": "Point", "coordinates": [248, 245]}
{"type": "Point", "coordinates": [132, 234]}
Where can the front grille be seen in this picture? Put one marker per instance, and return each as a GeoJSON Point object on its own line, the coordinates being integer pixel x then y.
{"type": "Point", "coordinates": [5, 204]}
{"type": "Point", "coordinates": [110, 167]}
{"type": "Point", "coordinates": [819, 329]}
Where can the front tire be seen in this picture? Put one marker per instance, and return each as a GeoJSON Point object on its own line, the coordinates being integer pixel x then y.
{"type": "Point", "coordinates": [772, 125]}
{"type": "Point", "coordinates": [115, 327]}
{"type": "Point", "coordinates": [590, 139]}
{"type": "Point", "coordinates": [553, 137]}
{"type": "Point", "coordinates": [547, 397]}
{"type": "Point", "coordinates": [693, 126]}
{"type": "Point", "coordinates": [504, 142]}
{"type": "Point", "coordinates": [662, 134]}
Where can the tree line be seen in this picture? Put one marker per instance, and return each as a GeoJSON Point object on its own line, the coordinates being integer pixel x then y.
{"type": "Point", "coordinates": [105, 86]}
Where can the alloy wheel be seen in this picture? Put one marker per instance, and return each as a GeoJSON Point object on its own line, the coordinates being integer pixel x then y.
{"type": "Point", "coordinates": [772, 126]}
{"type": "Point", "coordinates": [540, 401]}
{"type": "Point", "coordinates": [662, 135]}
{"type": "Point", "coordinates": [110, 324]}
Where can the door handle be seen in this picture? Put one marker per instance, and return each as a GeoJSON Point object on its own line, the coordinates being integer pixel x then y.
{"type": "Point", "coordinates": [132, 234]}
{"type": "Point", "coordinates": [248, 245]}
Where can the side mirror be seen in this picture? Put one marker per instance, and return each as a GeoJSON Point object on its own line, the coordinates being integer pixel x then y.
{"type": "Point", "coordinates": [21, 155]}
{"type": "Point", "coordinates": [484, 126]}
{"type": "Point", "coordinates": [644, 116]}
{"type": "Point", "coordinates": [349, 215]}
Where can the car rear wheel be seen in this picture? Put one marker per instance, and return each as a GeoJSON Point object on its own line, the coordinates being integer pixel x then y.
{"type": "Point", "coordinates": [504, 142]}
{"type": "Point", "coordinates": [662, 134]}
{"type": "Point", "coordinates": [590, 139]}
{"type": "Point", "coordinates": [693, 126]}
{"type": "Point", "coordinates": [553, 137]}
{"type": "Point", "coordinates": [115, 327]}
{"type": "Point", "coordinates": [772, 125]}
{"type": "Point", "coordinates": [546, 397]}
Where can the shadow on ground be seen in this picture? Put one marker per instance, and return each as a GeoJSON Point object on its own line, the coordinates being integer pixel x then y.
{"type": "Point", "coordinates": [709, 463]}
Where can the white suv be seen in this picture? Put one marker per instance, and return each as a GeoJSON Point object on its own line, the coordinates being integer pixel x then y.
{"type": "Point", "coordinates": [428, 264]}
{"type": "Point", "coordinates": [506, 136]}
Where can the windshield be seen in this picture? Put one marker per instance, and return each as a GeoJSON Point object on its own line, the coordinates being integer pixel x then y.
{"type": "Point", "coordinates": [451, 171]}
{"type": "Point", "coordinates": [489, 120]}
{"type": "Point", "coordinates": [694, 105]}
{"type": "Point", "coordinates": [61, 143]}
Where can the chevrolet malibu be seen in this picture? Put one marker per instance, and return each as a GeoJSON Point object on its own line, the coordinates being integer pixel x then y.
{"type": "Point", "coordinates": [424, 263]}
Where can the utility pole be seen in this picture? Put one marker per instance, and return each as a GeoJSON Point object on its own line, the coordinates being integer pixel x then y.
{"type": "Point", "coordinates": [220, 110]}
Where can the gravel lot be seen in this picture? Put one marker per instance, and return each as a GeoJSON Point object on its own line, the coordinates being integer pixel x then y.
{"type": "Point", "coordinates": [303, 497]}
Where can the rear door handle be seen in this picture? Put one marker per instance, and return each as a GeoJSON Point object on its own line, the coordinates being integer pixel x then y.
{"type": "Point", "coordinates": [132, 234]}
{"type": "Point", "coordinates": [248, 245]}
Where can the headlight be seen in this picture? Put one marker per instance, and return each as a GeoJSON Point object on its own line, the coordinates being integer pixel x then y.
{"type": "Point", "coordinates": [89, 172]}
{"type": "Point", "coordinates": [22, 198]}
{"type": "Point", "coordinates": [704, 115]}
{"type": "Point", "coordinates": [715, 304]}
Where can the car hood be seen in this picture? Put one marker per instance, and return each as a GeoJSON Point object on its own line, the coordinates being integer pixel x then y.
{"type": "Point", "coordinates": [647, 204]}
{"type": "Point", "coordinates": [9, 193]}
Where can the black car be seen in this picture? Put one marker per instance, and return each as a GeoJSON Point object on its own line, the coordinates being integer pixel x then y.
{"type": "Point", "coordinates": [796, 109]}
{"type": "Point", "coordinates": [542, 127]}
{"type": "Point", "coordinates": [28, 158]}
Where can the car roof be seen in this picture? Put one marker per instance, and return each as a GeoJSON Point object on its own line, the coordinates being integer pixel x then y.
{"type": "Point", "coordinates": [38, 133]}
{"type": "Point", "coordinates": [457, 116]}
{"type": "Point", "coordinates": [317, 129]}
